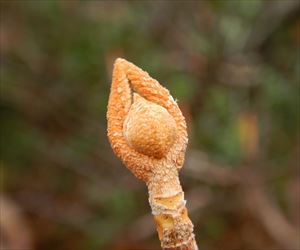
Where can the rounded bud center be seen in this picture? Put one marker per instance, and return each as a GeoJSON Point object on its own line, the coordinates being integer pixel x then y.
{"type": "Point", "coordinates": [149, 128]}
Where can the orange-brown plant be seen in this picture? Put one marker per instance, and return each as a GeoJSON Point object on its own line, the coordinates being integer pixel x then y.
{"type": "Point", "coordinates": [148, 132]}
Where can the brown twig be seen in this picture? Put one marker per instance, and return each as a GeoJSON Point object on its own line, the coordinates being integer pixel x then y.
{"type": "Point", "coordinates": [148, 132]}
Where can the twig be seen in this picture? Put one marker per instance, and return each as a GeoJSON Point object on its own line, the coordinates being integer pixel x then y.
{"type": "Point", "coordinates": [148, 132]}
{"type": "Point", "coordinates": [143, 225]}
{"type": "Point", "coordinates": [261, 205]}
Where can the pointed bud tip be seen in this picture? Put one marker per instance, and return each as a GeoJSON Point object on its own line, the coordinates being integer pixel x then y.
{"type": "Point", "coordinates": [120, 60]}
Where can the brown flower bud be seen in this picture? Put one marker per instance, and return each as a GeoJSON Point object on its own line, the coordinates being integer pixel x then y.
{"type": "Point", "coordinates": [147, 131]}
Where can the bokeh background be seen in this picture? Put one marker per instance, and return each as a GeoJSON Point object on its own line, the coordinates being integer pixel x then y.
{"type": "Point", "coordinates": [232, 65]}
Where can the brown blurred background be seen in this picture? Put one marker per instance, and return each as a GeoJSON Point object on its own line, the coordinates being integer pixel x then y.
{"type": "Point", "coordinates": [232, 65]}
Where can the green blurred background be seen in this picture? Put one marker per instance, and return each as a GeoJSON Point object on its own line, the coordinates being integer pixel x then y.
{"type": "Point", "coordinates": [232, 65]}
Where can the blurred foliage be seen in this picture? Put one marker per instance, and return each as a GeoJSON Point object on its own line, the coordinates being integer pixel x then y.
{"type": "Point", "coordinates": [232, 65]}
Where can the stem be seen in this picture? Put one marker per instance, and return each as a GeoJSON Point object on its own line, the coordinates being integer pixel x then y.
{"type": "Point", "coordinates": [148, 132]}
{"type": "Point", "coordinates": [166, 198]}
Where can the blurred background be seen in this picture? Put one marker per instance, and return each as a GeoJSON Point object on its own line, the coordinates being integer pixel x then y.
{"type": "Point", "coordinates": [232, 65]}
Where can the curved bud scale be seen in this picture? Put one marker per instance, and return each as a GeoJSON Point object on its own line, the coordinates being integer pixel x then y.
{"type": "Point", "coordinates": [147, 131]}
